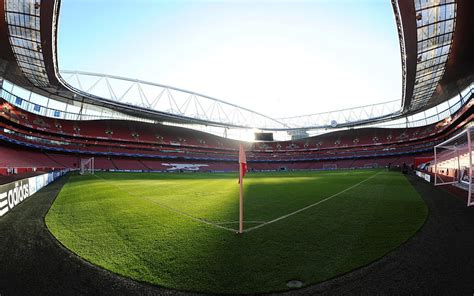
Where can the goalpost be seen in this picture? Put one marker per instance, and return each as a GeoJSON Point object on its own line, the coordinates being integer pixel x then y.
{"type": "Point", "coordinates": [453, 163]}
{"type": "Point", "coordinates": [371, 165]}
{"type": "Point", "coordinates": [330, 166]}
{"type": "Point", "coordinates": [87, 166]}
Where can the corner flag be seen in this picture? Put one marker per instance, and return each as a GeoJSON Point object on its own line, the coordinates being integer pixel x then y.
{"type": "Point", "coordinates": [242, 163]}
{"type": "Point", "coordinates": [242, 171]}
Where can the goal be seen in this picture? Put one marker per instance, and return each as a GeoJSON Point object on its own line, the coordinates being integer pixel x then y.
{"type": "Point", "coordinates": [454, 162]}
{"type": "Point", "coordinates": [371, 165]}
{"type": "Point", "coordinates": [330, 166]}
{"type": "Point", "coordinates": [87, 166]}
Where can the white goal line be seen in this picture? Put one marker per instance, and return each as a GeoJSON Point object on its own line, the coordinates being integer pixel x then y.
{"type": "Point", "coordinates": [310, 206]}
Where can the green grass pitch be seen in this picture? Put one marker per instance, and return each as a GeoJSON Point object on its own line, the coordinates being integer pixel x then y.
{"type": "Point", "coordinates": [143, 225]}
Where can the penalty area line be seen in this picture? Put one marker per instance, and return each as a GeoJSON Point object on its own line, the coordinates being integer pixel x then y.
{"type": "Point", "coordinates": [310, 206]}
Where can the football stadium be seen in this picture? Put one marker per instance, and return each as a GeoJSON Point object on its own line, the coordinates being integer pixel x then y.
{"type": "Point", "coordinates": [115, 185]}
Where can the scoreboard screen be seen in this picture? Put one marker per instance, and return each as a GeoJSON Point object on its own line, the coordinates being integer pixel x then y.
{"type": "Point", "coordinates": [263, 136]}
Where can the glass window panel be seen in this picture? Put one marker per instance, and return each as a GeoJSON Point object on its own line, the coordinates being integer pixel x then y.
{"type": "Point", "coordinates": [92, 112]}
{"type": "Point", "coordinates": [430, 72]}
{"type": "Point", "coordinates": [450, 25]}
{"type": "Point", "coordinates": [7, 85]}
{"type": "Point", "coordinates": [37, 99]}
{"type": "Point", "coordinates": [73, 109]}
{"type": "Point", "coordinates": [465, 92]}
{"type": "Point", "coordinates": [20, 92]}
{"type": "Point", "coordinates": [425, 79]}
{"type": "Point", "coordinates": [418, 116]}
{"type": "Point", "coordinates": [33, 68]}
{"type": "Point", "coordinates": [433, 68]}
{"type": "Point", "coordinates": [431, 112]}
{"type": "Point", "coordinates": [423, 92]}
{"type": "Point", "coordinates": [450, 11]}
{"type": "Point", "coordinates": [453, 101]}
{"type": "Point", "coordinates": [53, 104]}
{"type": "Point", "coordinates": [445, 49]}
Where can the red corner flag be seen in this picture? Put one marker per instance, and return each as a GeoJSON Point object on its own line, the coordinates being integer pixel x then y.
{"type": "Point", "coordinates": [242, 163]}
{"type": "Point", "coordinates": [242, 171]}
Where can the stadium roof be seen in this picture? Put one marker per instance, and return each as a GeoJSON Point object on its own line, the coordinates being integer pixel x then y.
{"type": "Point", "coordinates": [436, 43]}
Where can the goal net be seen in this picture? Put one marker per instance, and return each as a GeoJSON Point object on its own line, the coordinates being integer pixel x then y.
{"type": "Point", "coordinates": [454, 162]}
{"type": "Point", "coordinates": [371, 165]}
{"type": "Point", "coordinates": [330, 166]}
{"type": "Point", "coordinates": [87, 166]}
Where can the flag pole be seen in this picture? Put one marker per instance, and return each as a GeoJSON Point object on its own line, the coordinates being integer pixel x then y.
{"type": "Point", "coordinates": [242, 170]}
{"type": "Point", "coordinates": [241, 203]}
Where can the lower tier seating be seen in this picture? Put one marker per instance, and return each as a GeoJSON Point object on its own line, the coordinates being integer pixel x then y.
{"type": "Point", "coordinates": [22, 159]}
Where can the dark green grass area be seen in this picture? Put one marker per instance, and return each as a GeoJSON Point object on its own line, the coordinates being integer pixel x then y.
{"type": "Point", "coordinates": [129, 223]}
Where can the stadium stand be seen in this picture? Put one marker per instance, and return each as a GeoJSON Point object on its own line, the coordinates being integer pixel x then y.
{"type": "Point", "coordinates": [36, 141]}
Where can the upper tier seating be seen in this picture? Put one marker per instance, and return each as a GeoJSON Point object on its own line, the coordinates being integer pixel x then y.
{"type": "Point", "coordinates": [130, 145]}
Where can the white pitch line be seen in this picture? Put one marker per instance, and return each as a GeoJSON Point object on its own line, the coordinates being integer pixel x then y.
{"type": "Point", "coordinates": [235, 222]}
{"type": "Point", "coordinates": [188, 215]}
{"type": "Point", "coordinates": [310, 206]}
{"type": "Point", "coordinates": [170, 208]}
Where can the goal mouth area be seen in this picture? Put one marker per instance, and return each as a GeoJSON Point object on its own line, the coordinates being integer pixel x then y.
{"type": "Point", "coordinates": [453, 162]}
{"type": "Point", "coordinates": [330, 166]}
{"type": "Point", "coordinates": [87, 166]}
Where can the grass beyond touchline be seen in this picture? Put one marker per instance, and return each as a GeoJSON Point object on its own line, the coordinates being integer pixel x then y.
{"type": "Point", "coordinates": [131, 224]}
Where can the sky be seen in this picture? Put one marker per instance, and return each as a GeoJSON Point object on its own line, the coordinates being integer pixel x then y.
{"type": "Point", "coordinates": [279, 58]}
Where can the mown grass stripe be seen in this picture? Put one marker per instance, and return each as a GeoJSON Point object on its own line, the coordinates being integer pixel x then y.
{"type": "Point", "coordinates": [307, 207]}
{"type": "Point", "coordinates": [172, 209]}
{"type": "Point", "coordinates": [133, 237]}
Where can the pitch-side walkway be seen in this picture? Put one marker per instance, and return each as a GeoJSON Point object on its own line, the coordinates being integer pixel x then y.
{"type": "Point", "coordinates": [438, 260]}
